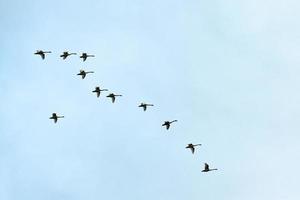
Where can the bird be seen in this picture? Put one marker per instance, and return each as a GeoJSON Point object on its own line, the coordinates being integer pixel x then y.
{"type": "Point", "coordinates": [66, 54]}
{"type": "Point", "coordinates": [168, 124]}
{"type": "Point", "coordinates": [144, 106]}
{"type": "Point", "coordinates": [113, 96]}
{"type": "Point", "coordinates": [55, 117]}
{"type": "Point", "coordinates": [192, 147]}
{"type": "Point", "coordinates": [98, 90]}
{"type": "Point", "coordinates": [83, 73]}
{"type": "Point", "coordinates": [84, 56]}
{"type": "Point", "coordinates": [206, 168]}
{"type": "Point", "coordinates": [42, 53]}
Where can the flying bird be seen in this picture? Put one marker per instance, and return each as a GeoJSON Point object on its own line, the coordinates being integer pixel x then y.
{"type": "Point", "coordinates": [66, 54]}
{"type": "Point", "coordinates": [113, 96]}
{"type": "Point", "coordinates": [206, 168]}
{"type": "Point", "coordinates": [98, 91]}
{"type": "Point", "coordinates": [84, 56]}
{"type": "Point", "coordinates": [55, 117]}
{"type": "Point", "coordinates": [144, 106]}
{"type": "Point", "coordinates": [168, 124]}
{"type": "Point", "coordinates": [42, 53]}
{"type": "Point", "coordinates": [192, 147]}
{"type": "Point", "coordinates": [83, 73]}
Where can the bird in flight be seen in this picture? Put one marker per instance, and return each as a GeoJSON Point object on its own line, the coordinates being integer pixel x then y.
{"type": "Point", "coordinates": [206, 168]}
{"type": "Point", "coordinates": [113, 96]}
{"type": "Point", "coordinates": [144, 106]}
{"type": "Point", "coordinates": [168, 124]}
{"type": "Point", "coordinates": [98, 91]}
{"type": "Point", "coordinates": [83, 73]}
{"type": "Point", "coordinates": [84, 56]}
{"type": "Point", "coordinates": [55, 117]}
{"type": "Point", "coordinates": [66, 54]}
{"type": "Point", "coordinates": [192, 147]}
{"type": "Point", "coordinates": [42, 53]}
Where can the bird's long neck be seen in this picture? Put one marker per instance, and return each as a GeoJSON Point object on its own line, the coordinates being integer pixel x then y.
{"type": "Point", "coordinates": [89, 72]}
{"type": "Point", "coordinates": [104, 90]}
{"type": "Point", "coordinates": [212, 169]}
{"type": "Point", "coordinates": [90, 56]}
{"type": "Point", "coordinates": [173, 121]}
{"type": "Point", "coordinates": [72, 54]}
{"type": "Point", "coordinates": [60, 116]}
{"type": "Point", "coordinates": [47, 52]}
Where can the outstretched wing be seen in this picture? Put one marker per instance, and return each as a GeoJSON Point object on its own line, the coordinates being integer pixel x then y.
{"type": "Point", "coordinates": [55, 119]}
{"type": "Point", "coordinates": [83, 75]}
{"type": "Point", "coordinates": [84, 58]}
{"type": "Point", "coordinates": [42, 55]}
{"type": "Point", "coordinates": [113, 98]}
{"type": "Point", "coordinates": [145, 108]}
{"type": "Point", "coordinates": [98, 93]}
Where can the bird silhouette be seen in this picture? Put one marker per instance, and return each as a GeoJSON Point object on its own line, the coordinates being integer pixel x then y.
{"type": "Point", "coordinates": [206, 168]}
{"type": "Point", "coordinates": [113, 96]}
{"type": "Point", "coordinates": [145, 105]}
{"type": "Point", "coordinates": [83, 73]}
{"type": "Point", "coordinates": [98, 91]}
{"type": "Point", "coordinates": [192, 147]}
{"type": "Point", "coordinates": [66, 54]}
{"type": "Point", "coordinates": [42, 53]}
{"type": "Point", "coordinates": [55, 117]}
{"type": "Point", "coordinates": [84, 56]}
{"type": "Point", "coordinates": [168, 124]}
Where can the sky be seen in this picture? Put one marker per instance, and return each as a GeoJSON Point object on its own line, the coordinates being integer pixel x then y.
{"type": "Point", "coordinates": [226, 70]}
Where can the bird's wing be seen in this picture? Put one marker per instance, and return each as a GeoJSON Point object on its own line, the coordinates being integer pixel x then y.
{"type": "Point", "coordinates": [42, 55]}
{"type": "Point", "coordinates": [145, 108]}
{"type": "Point", "coordinates": [84, 58]}
{"type": "Point", "coordinates": [98, 93]}
{"type": "Point", "coordinates": [167, 126]}
{"type": "Point", "coordinates": [113, 98]}
{"type": "Point", "coordinates": [83, 75]}
{"type": "Point", "coordinates": [193, 150]}
{"type": "Point", "coordinates": [55, 119]}
{"type": "Point", "coordinates": [206, 166]}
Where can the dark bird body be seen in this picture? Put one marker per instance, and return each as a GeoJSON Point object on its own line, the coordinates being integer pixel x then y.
{"type": "Point", "coordinates": [98, 91]}
{"type": "Point", "coordinates": [207, 169]}
{"type": "Point", "coordinates": [66, 54]}
{"type": "Point", "coordinates": [192, 147]}
{"type": "Point", "coordinates": [42, 53]}
{"type": "Point", "coordinates": [55, 117]}
{"type": "Point", "coordinates": [83, 73]}
{"type": "Point", "coordinates": [84, 56]}
{"type": "Point", "coordinates": [168, 124]}
{"type": "Point", "coordinates": [145, 105]}
{"type": "Point", "coordinates": [113, 96]}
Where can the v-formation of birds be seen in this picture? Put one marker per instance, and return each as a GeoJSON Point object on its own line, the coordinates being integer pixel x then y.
{"type": "Point", "coordinates": [113, 96]}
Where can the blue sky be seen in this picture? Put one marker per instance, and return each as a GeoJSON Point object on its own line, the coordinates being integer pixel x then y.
{"type": "Point", "coordinates": [227, 70]}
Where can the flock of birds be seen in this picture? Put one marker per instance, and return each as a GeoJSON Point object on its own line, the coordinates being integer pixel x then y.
{"type": "Point", "coordinates": [113, 96]}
